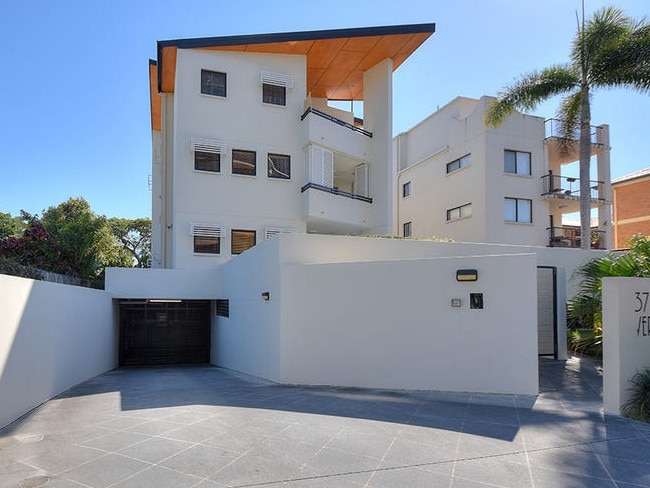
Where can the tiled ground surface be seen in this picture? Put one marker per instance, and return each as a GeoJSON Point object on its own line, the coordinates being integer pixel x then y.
{"type": "Point", "coordinates": [204, 427]}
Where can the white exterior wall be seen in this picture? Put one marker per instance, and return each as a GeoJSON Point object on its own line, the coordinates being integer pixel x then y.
{"type": "Point", "coordinates": [398, 329]}
{"type": "Point", "coordinates": [194, 284]}
{"type": "Point", "coordinates": [452, 132]}
{"type": "Point", "coordinates": [52, 337]}
{"type": "Point", "coordinates": [241, 121]}
{"type": "Point", "coordinates": [249, 340]}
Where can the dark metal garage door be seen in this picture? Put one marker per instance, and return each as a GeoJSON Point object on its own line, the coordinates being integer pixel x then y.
{"type": "Point", "coordinates": [164, 332]}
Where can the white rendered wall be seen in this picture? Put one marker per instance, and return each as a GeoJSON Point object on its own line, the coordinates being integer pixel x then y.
{"type": "Point", "coordinates": [196, 284]}
{"type": "Point", "coordinates": [452, 132]}
{"type": "Point", "coordinates": [241, 121]}
{"type": "Point", "coordinates": [391, 325]}
{"type": "Point", "coordinates": [52, 337]}
{"type": "Point", "coordinates": [249, 340]}
{"type": "Point", "coordinates": [626, 337]}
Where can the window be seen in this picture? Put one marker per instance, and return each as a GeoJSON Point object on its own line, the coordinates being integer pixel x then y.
{"type": "Point", "coordinates": [274, 94]}
{"type": "Point", "coordinates": [207, 239]}
{"type": "Point", "coordinates": [519, 210]}
{"type": "Point", "coordinates": [279, 166]}
{"type": "Point", "coordinates": [205, 161]}
{"type": "Point", "coordinates": [459, 163]}
{"type": "Point", "coordinates": [223, 307]}
{"type": "Point", "coordinates": [241, 240]}
{"type": "Point", "coordinates": [406, 229]}
{"type": "Point", "coordinates": [243, 162]}
{"type": "Point", "coordinates": [213, 83]}
{"type": "Point", "coordinates": [462, 212]}
{"type": "Point", "coordinates": [516, 162]}
{"type": "Point", "coordinates": [406, 189]}
{"type": "Point", "coordinates": [274, 231]}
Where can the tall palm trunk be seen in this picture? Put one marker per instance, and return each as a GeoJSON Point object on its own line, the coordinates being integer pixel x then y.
{"type": "Point", "coordinates": [585, 163]}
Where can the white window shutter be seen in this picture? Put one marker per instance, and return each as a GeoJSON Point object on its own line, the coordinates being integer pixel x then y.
{"type": "Point", "coordinates": [207, 145]}
{"type": "Point", "coordinates": [274, 231]}
{"type": "Point", "coordinates": [206, 230]}
{"type": "Point", "coordinates": [361, 180]}
{"type": "Point", "coordinates": [278, 79]}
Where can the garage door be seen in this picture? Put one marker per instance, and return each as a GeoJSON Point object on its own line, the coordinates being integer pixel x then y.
{"type": "Point", "coordinates": [171, 332]}
{"type": "Point", "coordinates": [546, 312]}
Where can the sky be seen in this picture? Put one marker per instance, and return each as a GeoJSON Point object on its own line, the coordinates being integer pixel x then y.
{"type": "Point", "coordinates": [74, 103]}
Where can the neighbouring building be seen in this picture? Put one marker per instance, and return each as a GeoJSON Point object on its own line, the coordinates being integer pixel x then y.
{"type": "Point", "coordinates": [246, 144]}
{"type": "Point", "coordinates": [631, 206]}
{"type": "Point", "coordinates": [458, 178]}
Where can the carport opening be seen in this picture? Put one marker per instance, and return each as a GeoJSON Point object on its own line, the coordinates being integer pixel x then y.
{"type": "Point", "coordinates": [155, 332]}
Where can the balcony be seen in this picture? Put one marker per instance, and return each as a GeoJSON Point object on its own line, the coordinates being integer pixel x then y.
{"type": "Point", "coordinates": [569, 236]}
{"type": "Point", "coordinates": [334, 133]}
{"type": "Point", "coordinates": [333, 211]}
{"type": "Point", "coordinates": [559, 152]}
{"type": "Point", "coordinates": [567, 188]}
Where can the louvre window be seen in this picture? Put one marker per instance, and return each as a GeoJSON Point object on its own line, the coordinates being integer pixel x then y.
{"type": "Point", "coordinates": [279, 166]}
{"type": "Point", "coordinates": [274, 231]}
{"type": "Point", "coordinates": [207, 154]}
{"type": "Point", "coordinates": [207, 238]}
{"type": "Point", "coordinates": [241, 240]}
{"type": "Point", "coordinates": [274, 87]}
{"type": "Point", "coordinates": [244, 162]}
{"type": "Point", "coordinates": [406, 229]}
{"type": "Point", "coordinates": [213, 83]}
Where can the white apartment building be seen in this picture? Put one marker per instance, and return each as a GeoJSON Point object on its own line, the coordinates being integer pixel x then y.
{"type": "Point", "coordinates": [457, 178]}
{"type": "Point", "coordinates": [246, 144]}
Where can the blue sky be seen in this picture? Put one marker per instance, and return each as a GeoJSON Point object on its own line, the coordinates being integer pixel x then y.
{"type": "Point", "coordinates": [74, 107]}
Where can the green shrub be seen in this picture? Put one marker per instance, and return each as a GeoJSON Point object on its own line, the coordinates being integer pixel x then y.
{"type": "Point", "coordinates": [638, 406]}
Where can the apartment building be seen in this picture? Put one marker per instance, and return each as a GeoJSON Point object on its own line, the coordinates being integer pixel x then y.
{"type": "Point", "coordinates": [457, 178]}
{"type": "Point", "coordinates": [630, 206]}
{"type": "Point", "coordinates": [247, 144]}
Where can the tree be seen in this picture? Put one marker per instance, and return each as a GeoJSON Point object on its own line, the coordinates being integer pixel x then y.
{"type": "Point", "coordinates": [609, 50]}
{"type": "Point", "coordinates": [10, 226]}
{"type": "Point", "coordinates": [134, 235]}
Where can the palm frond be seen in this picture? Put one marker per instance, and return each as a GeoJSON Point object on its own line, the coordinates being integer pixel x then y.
{"type": "Point", "coordinates": [569, 117]}
{"type": "Point", "coordinates": [602, 31]}
{"type": "Point", "coordinates": [530, 90]}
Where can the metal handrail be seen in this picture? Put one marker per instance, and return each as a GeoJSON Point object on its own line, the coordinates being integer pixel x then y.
{"type": "Point", "coordinates": [552, 129]}
{"type": "Point", "coordinates": [331, 118]}
{"type": "Point", "coordinates": [569, 236]}
{"type": "Point", "coordinates": [567, 187]}
{"type": "Point", "coordinates": [335, 191]}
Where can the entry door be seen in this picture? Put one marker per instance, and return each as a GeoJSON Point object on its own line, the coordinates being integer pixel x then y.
{"type": "Point", "coordinates": [546, 312]}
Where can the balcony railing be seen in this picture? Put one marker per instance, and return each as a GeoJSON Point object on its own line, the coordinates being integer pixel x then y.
{"type": "Point", "coordinates": [553, 128]}
{"type": "Point", "coordinates": [568, 236]}
{"type": "Point", "coordinates": [557, 186]}
{"type": "Point", "coordinates": [335, 191]}
{"type": "Point", "coordinates": [331, 118]}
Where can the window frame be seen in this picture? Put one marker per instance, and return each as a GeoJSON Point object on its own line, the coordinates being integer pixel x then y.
{"type": "Point", "coordinates": [213, 87]}
{"type": "Point", "coordinates": [406, 189]}
{"type": "Point", "coordinates": [462, 162]}
{"type": "Point", "coordinates": [217, 155]}
{"type": "Point", "coordinates": [232, 162]}
{"type": "Point", "coordinates": [242, 231]}
{"type": "Point", "coordinates": [270, 169]}
{"type": "Point", "coordinates": [407, 229]}
{"type": "Point", "coordinates": [516, 171]}
{"type": "Point", "coordinates": [206, 232]}
{"type": "Point", "coordinates": [450, 217]}
{"type": "Point", "coordinates": [277, 97]}
{"type": "Point", "coordinates": [517, 210]}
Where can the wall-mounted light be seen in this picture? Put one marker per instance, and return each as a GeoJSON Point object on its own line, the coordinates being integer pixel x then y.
{"type": "Point", "coordinates": [466, 275]}
{"type": "Point", "coordinates": [266, 296]}
{"type": "Point", "coordinates": [164, 300]}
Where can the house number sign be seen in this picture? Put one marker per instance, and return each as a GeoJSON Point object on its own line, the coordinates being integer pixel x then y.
{"type": "Point", "coordinates": [640, 307]}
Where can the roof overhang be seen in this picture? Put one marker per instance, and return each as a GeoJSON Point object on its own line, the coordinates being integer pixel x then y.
{"type": "Point", "coordinates": [336, 59]}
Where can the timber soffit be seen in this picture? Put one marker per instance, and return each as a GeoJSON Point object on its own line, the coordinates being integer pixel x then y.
{"type": "Point", "coordinates": [336, 59]}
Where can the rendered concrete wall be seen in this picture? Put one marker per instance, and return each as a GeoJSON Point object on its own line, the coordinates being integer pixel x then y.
{"type": "Point", "coordinates": [390, 324]}
{"type": "Point", "coordinates": [162, 283]}
{"type": "Point", "coordinates": [249, 340]}
{"type": "Point", "coordinates": [52, 337]}
{"type": "Point", "coordinates": [626, 336]}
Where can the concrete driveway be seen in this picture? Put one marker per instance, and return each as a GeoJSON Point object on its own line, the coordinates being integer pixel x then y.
{"type": "Point", "coordinates": [205, 427]}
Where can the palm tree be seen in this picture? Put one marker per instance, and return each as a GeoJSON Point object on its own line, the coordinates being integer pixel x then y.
{"type": "Point", "coordinates": [610, 50]}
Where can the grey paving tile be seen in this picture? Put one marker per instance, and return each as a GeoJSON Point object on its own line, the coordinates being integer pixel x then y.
{"type": "Point", "coordinates": [551, 478]}
{"type": "Point", "coordinates": [158, 477]}
{"type": "Point", "coordinates": [254, 470]}
{"type": "Point", "coordinates": [154, 427]}
{"type": "Point", "coordinates": [578, 460]}
{"type": "Point", "coordinates": [191, 433]}
{"type": "Point", "coordinates": [509, 471]}
{"type": "Point", "coordinates": [200, 460]}
{"type": "Point", "coordinates": [13, 473]}
{"type": "Point", "coordinates": [106, 470]}
{"type": "Point", "coordinates": [61, 457]}
{"type": "Point", "coordinates": [155, 449]}
{"type": "Point", "coordinates": [116, 441]}
{"type": "Point", "coordinates": [627, 471]}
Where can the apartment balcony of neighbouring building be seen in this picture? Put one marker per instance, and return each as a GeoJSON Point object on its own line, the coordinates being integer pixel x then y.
{"type": "Point", "coordinates": [560, 152]}
{"type": "Point", "coordinates": [569, 236]}
{"type": "Point", "coordinates": [335, 195]}
{"type": "Point", "coordinates": [564, 192]}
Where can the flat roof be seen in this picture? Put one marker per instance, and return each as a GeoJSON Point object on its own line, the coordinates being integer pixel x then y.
{"type": "Point", "coordinates": [632, 176]}
{"type": "Point", "coordinates": [336, 59]}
